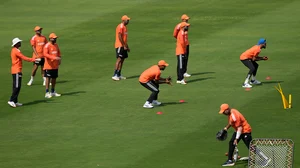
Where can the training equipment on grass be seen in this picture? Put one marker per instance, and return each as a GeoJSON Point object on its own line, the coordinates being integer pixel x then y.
{"type": "Point", "coordinates": [273, 153]}
{"type": "Point", "coordinates": [221, 135]}
{"type": "Point", "coordinates": [286, 104]}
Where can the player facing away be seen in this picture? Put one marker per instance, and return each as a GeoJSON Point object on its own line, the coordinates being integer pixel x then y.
{"type": "Point", "coordinates": [38, 42]}
{"type": "Point", "coordinates": [52, 62]}
{"type": "Point", "coordinates": [181, 52]}
{"type": "Point", "coordinates": [249, 58]}
{"type": "Point", "coordinates": [242, 131]}
{"type": "Point", "coordinates": [151, 79]}
{"type": "Point", "coordinates": [16, 71]}
{"type": "Point", "coordinates": [121, 47]}
{"type": "Point", "coordinates": [184, 18]}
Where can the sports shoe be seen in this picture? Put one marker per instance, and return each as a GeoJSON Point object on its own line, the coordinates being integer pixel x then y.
{"type": "Point", "coordinates": [181, 82]}
{"type": "Point", "coordinates": [30, 83]}
{"type": "Point", "coordinates": [155, 102]}
{"type": "Point", "coordinates": [228, 163]}
{"type": "Point", "coordinates": [187, 75]}
{"type": "Point", "coordinates": [122, 77]}
{"type": "Point", "coordinates": [148, 105]}
{"type": "Point", "coordinates": [115, 78]}
{"type": "Point", "coordinates": [54, 94]}
{"type": "Point", "coordinates": [246, 85]}
{"type": "Point", "coordinates": [12, 104]}
{"type": "Point", "coordinates": [266, 162]}
{"type": "Point", "coordinates": [255, 82]}
{"type": "Point", "coordinates": [48, 95]}
{"type": "Point", "coordinates": [44, 83]}
{"type": "Point", "coordinates": [18, 104]}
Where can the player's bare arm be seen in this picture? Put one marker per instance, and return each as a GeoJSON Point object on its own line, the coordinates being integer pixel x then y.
{"type": "Point", "coordinates": [34, 51]}
{"type": "Point", "coordinates": [122, 41]}
{"type": "Point", "coordinates": [238, 134]}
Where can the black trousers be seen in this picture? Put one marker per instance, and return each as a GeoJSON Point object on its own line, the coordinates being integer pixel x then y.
{"type": "Point", "coordinates": [181, 63]}
{"type": "Point", "coordinates": [17, 80]}
{"type": "Point", "coordinates": [154, 88]}
{"type": "Point", "coordinates": [252, 65]}
{"type": "Point", "coordinates": [187, 58]}
{"type": "Point", "coordinates": [246, 137]}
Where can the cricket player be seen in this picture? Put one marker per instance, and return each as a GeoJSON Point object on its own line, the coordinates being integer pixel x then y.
{"type": "Point", "coordinates": [249, 58]}
{"type": "Point", "coordinates": [181, 52]}
{"type": "Point", "coordinates": [16, 71]}
{"type": "Point", "coordinates": [38, 42]}
{"type": "Point", "coordinates": [151, 79]}
{"type": "Point", "coordinates": [242, 131]}
{"type": "Point", "coordinates": [52, 61]}
{"type": "Point", "coordinates": [184, 18]}
{"type": "Point", "coordinates": [121, 47]}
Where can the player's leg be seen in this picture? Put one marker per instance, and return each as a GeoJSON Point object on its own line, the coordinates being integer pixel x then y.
{"type": "Point", "coordinates": [180, 64]}
{"type": "Point", "coordinates": [229, 161]}
{"type": "Point", "coordinates": [54, 76]}
{"type": "Point", "coordinates": [33, 72]}
{"type": "Point", "coordinates": [150, 86]}
{"type": "Point", "coordinates": [155, 102]}
{"type": "Point", "coordinates": [13, 96]}
{"type": "Point", "coordinates": [253, 80]}
{"type": "Point", "coordinates": [47, 75]}
{"type": "Point", "coordinates": [125, 55]}
{"type": "Point", "coordinates": [18, 84]}
{"type": "Point", "coordinates": [186, 63]}
{"type": "Point", "coordinates": [250, 66]}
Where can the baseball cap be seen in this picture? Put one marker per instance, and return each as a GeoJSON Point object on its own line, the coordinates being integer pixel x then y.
{"type": "Point", "coordinates": [223, 107]}
{"type": "Point", "coordinates": [125, 17]}
{"type": "Point", "coordinates": [163, 63]}
{"type": "Point", "coordinates": [185, 17]}
{"type": "Point", "coordinates": [15, 41]}
{"type": "Point", "coordinates": [183, 24]}
{"type": "Point", "coordinates": [53, 35]}
{"type": "Point", "coordinates": [37, 28]}
{"type": "Point", "coordinates": [261, 41]}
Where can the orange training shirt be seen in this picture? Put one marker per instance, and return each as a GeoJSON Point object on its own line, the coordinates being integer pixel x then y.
{"type": "Point", "coordinates": [152, 73]}
{"type": "Point", "coordinates": [38, 42]}
{"type": "Point", "coordinates": [176, 31]}
{"type": "Point", "coordinates": [250, 53]}
{"type": "Point", "coordinates": [236, 119]}
{"type": "Point", "coordinates": [121, 28]}
{"type": "Point", "coordinates": [50, 52]}
{"type": "Point", "coordinates": [181, 43]}
{"type": "Point", "coordinates": [16, 60]}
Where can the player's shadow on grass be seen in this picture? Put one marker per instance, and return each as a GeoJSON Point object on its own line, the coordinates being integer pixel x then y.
{"type": "Point", "coordinates": [72, 93]}
{"type": "Point", "coordinates": [133, 77]}
{"type": "Point", "coordinates": [271, 82]}
{"type": "Point", "coordinates": [62, 81]}
{"type": "Point", "coordinates": [171, 103]}
{"type": "Point", "coordinates": [37, 102]}
{"type": "Point", "coordinates": [199, 79]}
{"type": "Point", "coordinates": [201, 73]}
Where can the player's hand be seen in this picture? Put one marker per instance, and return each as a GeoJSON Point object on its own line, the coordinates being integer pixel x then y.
{"type": "Point", "coordinates": [128, 49]}
{"type": "Point", "coordinates": [265, 58]}
{"type": "Point", "coordinates": [235, 142]}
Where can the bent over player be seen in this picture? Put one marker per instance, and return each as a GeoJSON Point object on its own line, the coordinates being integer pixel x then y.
{"type": "Point", "coordinates": [242, 131]}
{"type": "Point", "coordinates": [151, 79]}
{"type": "Point", "coordinates": [249, 59]}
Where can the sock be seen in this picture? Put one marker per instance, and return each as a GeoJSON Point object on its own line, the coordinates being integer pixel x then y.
{"type": "Point", "coordinates": [116, 72]}
{"type": "Point", "coordinates": [120, 72]}
{"type": "Point", "coordinates": [247, 79]}
{"type": "Point", "coordinates": [253, 78]}
{"type": "Point", "coordinates": [47, 90]}
{"type": "Point", "coordinates": [44, 78]}
{"type": "Point", "coordinates": [31, 78]}
{"type": "Point", "coordinates": [52, 90]}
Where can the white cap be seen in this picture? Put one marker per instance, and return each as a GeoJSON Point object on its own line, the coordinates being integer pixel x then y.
{"type": "Point", "coordinates": [15, 41]}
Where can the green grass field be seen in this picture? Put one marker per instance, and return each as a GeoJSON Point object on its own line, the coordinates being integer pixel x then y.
{"type": "Point", "coordinates": [100, 123]}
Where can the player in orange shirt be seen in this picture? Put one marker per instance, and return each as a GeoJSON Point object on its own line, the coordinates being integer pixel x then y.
{"type": "Point", "coordinates": [16, 70]}
{"type": "Point", "coordinates": [242, 131]}
{"type": "Point", "coordinates": [151, 79]}
{"type": "Point", "coordinates": [38, 42]}
{"type": "Point", "coordinates": [184, 18]}
{"type": "Point", "coordinates": [181, 52]}
{"type": "Point", "coordinates": [121, 47]}
{"type": "Point", "coordinates": [249, 59]}
{"type": "Point", "coordinates": [52, 61]}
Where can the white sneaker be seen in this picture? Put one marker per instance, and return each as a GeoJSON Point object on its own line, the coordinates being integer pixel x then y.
{"type": "Point", "coordinates": [148, 105]}
{"type": "Point", "coordinates": [255, 82]}
{"type": "Point", "coordinates": [18, 104]}
{"type": "Point", "coordinates": [122, 77]}
{"type": "Point", "coordinates": [246, 85]}
{"type": "Point", "coordinates": [155, 102]}
{"type": "Point", "coordinates": [12, 104]}
{"type": "Point", "coordinates": [55, 94]}
{"type": "Point", "coordinates": [115, 78]}
{"type": "Point", "coordinates": [44, 83]}
{"type": "Point", "coordinates": [182, 82]}
{"type": "Point", "coordinates": [30, 83]}
{"type": "Point", "coordinates": [187, 75]}
{"type": "Point", "coordinates": [48, 95]}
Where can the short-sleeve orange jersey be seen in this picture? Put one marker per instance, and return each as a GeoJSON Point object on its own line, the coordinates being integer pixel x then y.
{"type": "Point", "coordinates": [177, 30]}
{"type": "Point", "coordinates": [16, 60]}
{"type": "Point", "coordinates": [51, 51]}
{"type": "Point", "coordinates": [38, 42]}
{"type": "Point", "coordinates": [181, 43]}
{"type": "Point", "coordinates": [250, 53]}
{"type": "Point", "coordinates": [236, 119]}
{"type": "Point", "coordinates": [121, 28]}
{"type": "Point", "coordinates": [152, 73]}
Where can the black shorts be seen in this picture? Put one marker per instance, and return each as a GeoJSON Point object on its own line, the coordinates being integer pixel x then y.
{"type": "Point", "coordinates": [51, 73]}
{"type": "Point", "coordinates": [121, 52]}
{"type": "Point", "coordinates": [40, 63]}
